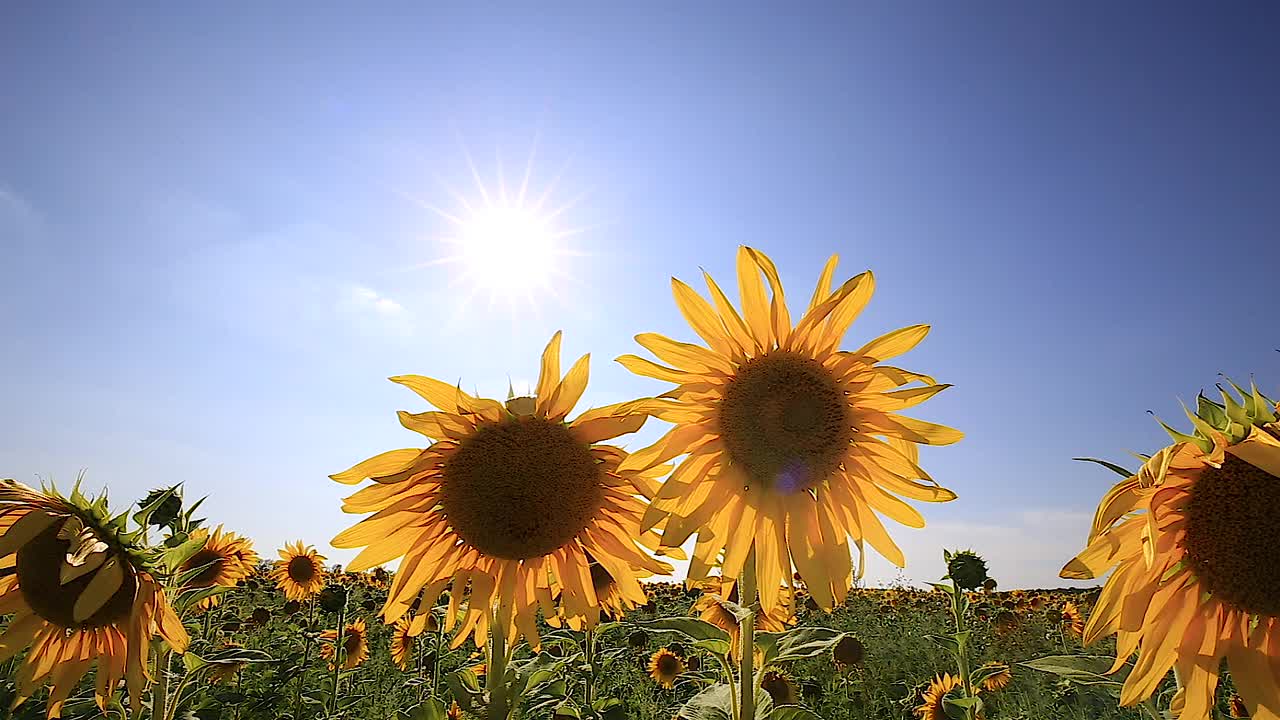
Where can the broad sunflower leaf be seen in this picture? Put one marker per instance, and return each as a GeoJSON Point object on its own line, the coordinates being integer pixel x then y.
{"type": "Point", "coordinates": [796, 644]}
{"type": "Point", "coordinates": [691, 628]}
{"type": "Point", "coordinates": [174, 557]}
{"type": "Point", "coordinates": [716, 703]}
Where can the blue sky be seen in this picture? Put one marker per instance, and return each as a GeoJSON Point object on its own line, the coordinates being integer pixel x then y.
{"type": "Point", "coordinates": [207, 218]}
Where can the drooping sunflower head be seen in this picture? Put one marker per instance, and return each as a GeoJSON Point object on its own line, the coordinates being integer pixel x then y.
{"type": "Point", "coordinates": [299, 572]}
{"type": "Point", "coordinates": [932, 701]}
{"type": "Point", "coordinates": [402, 643]}
{"type": "Point", "coordinates": [995, 676]}
{"type": "Point", "coordinates": [849, 652]}
{"type": "Point", "coordinates": [81, 589]}
{"type": "Point", "coordinates": [512, 508]}
{"type": "Point", "coordinates": [781, 688]}
{"type": "Point", "coordinates": [354, 645]}
{"type": "Point", "coordinates": [1191, 538]}
{"type": "Point", "coordinates": [224, 561]}
{"type": "Point", "coordinates": [665, 667]}
{"type": "Point", "coordinates": [715, 603]}
{"type": "Point", "coordinates": [793, 445]}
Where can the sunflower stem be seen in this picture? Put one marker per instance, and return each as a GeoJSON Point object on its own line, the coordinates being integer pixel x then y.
{"type": "Point", "coordinates": [589, 649]}
{"type": "Point", "coordinates": [160, 690]}
{"type": "Point", "coordinates": [439, 659]}
{"type": "Point", "coordinates": [495, 672]}
{"type": "Point", "coordinates": [338, 643]}
{"type": "Point", "coordinates": [747, 640]}
{"type": "Point", "coordinates": [962, 654]}
{"type": "Point", "coordinates": [727, 668]}
{"type": "Point", "coordinates": [306, 652]}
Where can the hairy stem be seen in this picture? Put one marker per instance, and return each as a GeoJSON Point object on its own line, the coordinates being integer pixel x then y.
{"type": "Point", "coordinates": [747, 639]}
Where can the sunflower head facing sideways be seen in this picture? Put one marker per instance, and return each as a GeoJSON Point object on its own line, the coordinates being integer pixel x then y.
{"type": "Point", "coordinates": [1192, 540]}
{"type": "Point", "coordinates": [81, 591]}
{"type": "Point", "coordinates": [665, 667]}
{"type": "Point", "coordinates": [299, 572]}
{"type": "Point", "coordinates": [354, 644]}
{"type": "Point", "coordinates": [792, 445]}
{"type": "Point", "coordinates": [224, 561]}
{"type": "Point", "coordinates": [508, 508]}
{"type": "Point", "coordinates": [933, 699]}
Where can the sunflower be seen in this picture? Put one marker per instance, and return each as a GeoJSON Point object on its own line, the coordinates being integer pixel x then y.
{"type": "Point", "coordinates": [931, 706]}
{"type": "Point", "coordinates": [81, 591]}
{"type": "Point", "coordinates": [1073, 619]}
{"type": "Point", "coordinates": [781, 688]}
{"type": "Point", "coordinates": [664, 667]}
{"type": "Point", "coordinates": [998, 676]}
{"type": "Point", "coordinates": [402, 643]}
{"type": "Point", "coordinates": [1192, 540]}
{"type": "Point", "coordinates": [507, 508]}
{"type": "Point", "coordinates": [355, 645]}
{"type": "Point", "coordinates": [299, 572]}
{"type": "Point", "coordinates": [792, 445]}
{"type": "Point", "coordinates": [710, 608]}
{"type": "Point", "coordinates": [225, 560]}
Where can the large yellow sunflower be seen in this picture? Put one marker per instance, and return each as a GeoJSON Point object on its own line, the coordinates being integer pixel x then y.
{"type": "Point", "coordinates": [1192, 538]}
{"type": "Point", "coordinates": [508, 506]}
{"type": "Point", "coordinates": [299, 572]}
{"type": "Point", "coordinates": [224, 561]}
{"type": "Point", "coordinates": [81, 592]}
{"type": "Point", "coordinates": [355, 645]}
{"type": "Point", "coordinates": [793, 446]}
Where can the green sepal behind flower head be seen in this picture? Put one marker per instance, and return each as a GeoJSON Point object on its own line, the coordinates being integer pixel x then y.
{"type": "Point", "coordinates": [1234, 418]}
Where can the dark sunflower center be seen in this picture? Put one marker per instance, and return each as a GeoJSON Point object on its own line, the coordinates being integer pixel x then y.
{"type": "Point", "coordinates": [521, 488]}
{"type": "Point", "coordinates": [1231, 535]}
{"type": "Point", "coordinates": [39, 562]}
{"type": "Point", "coordinates": [351, 643]}
{"type": "Point", "coordinates": [212, 563]}
{"type": "Point", "coordinates": [600, 578]}
{"type": "Point", "coordinates": [785, 420]}
{"type": "Point", "coordinates": [301, 569]}
{"type": "Point", "coordinates": [668, 664]}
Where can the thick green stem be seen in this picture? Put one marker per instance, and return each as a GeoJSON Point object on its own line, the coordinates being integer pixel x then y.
{"type": "Point", "coordinates": [495, 673]}
{"type": "Point", "coordinates": [727, 668]}
{"type": "Point", "coordinates": [338, 643]}
{"type": "Point", "coordinates": [747, 639]}
{"type": "Point", "coordinates": [589, 650]}
{"type": "Point", "coordinates": [302, 670]}
{"type": "Point", "coordinates": [962, 654]}
{"type": "Point", "coordinates": [160, 690]}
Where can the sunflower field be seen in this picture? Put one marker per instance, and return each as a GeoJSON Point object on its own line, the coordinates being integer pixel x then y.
{"type": "Point", "coordinates": [518, 564]}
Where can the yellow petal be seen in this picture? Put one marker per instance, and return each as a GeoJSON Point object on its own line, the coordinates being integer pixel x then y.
{"type": "Point", "coordinates": [751, 290]}
{"type": "Point", "coordinates": [449, 398]}
{"type": "Point", "coordinates": [907, 428]}
{"type": "Point", "coordinates": [684, 355]}
{"type": "Point", "coordinates": [891, 345]}
{"type": "Point", "coordinates": [27, 527]}
{"type": "Point", "coordinates": [701, 317]}
{"type": "Point", "coordinates": [823, 288]}
{"type": "Point", "coordinates": [99, 590]}
{"type": "Point", "coordinates": [648, 368]}
{"type": "Point", "coordinates": [729, 315]}
{"type": "Point", "coordinates": [549, 375]}
{"type": "Point", "coordinates": [606, 428]}
{"type": "Point", "coordinates": [779, 316]}
{"type": "Point", "coordinates": [570, 389]}
{"type": "Point", "coordinates": [381, 465]}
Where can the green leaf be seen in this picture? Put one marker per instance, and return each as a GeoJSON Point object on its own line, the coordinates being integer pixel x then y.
{"type": "Point", "coordinates": [796, 644]}
{"type": "Point", "coordinates": [1108, 465]}
{"type": "Point", "coordinates": [793, 712]}
{"type": "Point", "coordinates": [1079, 669]}
{"type": "Point", "coordinates": [465, 687]}
{"type": "Point", "coordinates": [691, 628]}
{"type": "Point", "coordinates": [432, 709]}
{"type": "Point", "coordinates": [715, 647]}
{"type": "Point", "coordinates": [175, 557]}
{"type": "Point", "coordinates": [144, 514]}
{"type": "Point", "coordinates": [188, 598]}
{"type": "Point", "coordinates": [716, 703]}
{"type": "Point", "coordinates": [947, 641]}
{"type": "Point", "coordinates": [567, 709]}
{"type": "Point", "coordinates": [962, 707]}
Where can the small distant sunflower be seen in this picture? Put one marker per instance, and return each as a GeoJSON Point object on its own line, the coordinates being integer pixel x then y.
{"type": "Point", "coordinates": [355, 645]}
{"type": "Point", "coordinates": [1192, 540]}
{"type": "Point", "coordinates": [81, 591]}
{"type": "Point", "coordinates": [226, 559]}
{"type": "Point", "coordinates": [781, 688]}
{"type": "Point", "coordinates": [664, 667]}
{"type": "Point", "coordinates": [299, 572]}
{"type": "Point", "coordinates": [849, 652]}
{"type": "Point", "coordinates": [1073, 619]}
{"type": "Point", "coordinates": [999, 678]}
{"type": "Point", "coordinates": [709, 608]}
{"type": "Point", "coordinates": [402, 643]}
{"type": "Point", "coordinates": [507, 508]}
{"type": "Point", "coordinates": [793, 446]}
{"type": "Point", "coordinates": [931, 706]}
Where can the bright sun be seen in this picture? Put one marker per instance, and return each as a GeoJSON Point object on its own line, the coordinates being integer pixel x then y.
{"type": "Point", "coordinates": [507, 249]}
{"type": "Point", "coordinates": [505, 244]}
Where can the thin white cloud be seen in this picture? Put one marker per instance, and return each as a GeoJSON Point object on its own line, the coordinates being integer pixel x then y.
{"type": "Point", "coordinates": [368, 298]}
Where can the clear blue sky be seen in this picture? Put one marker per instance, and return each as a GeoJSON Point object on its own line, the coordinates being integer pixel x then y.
{"type": "Point", "coordinates": [205, 226]}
